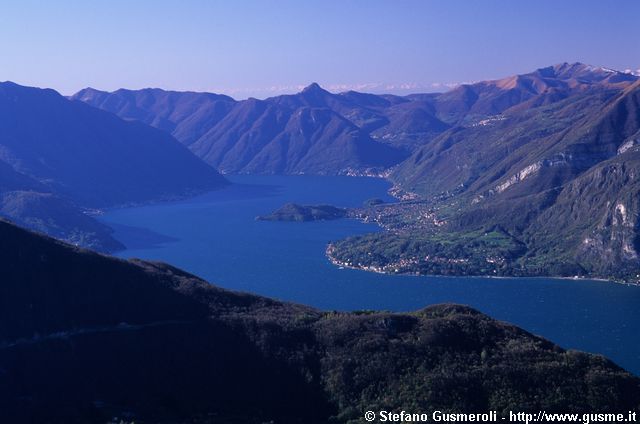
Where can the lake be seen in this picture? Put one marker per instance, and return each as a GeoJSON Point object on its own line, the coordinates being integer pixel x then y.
{"type": "Point", "coordinates": [216, 236]}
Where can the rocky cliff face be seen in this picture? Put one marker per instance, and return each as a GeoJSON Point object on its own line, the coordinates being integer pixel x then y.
{"type": "Point", "coordinates": [595, 217]}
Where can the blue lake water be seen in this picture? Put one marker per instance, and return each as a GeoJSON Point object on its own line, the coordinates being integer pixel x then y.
{"type": "Point", "coordinates": [215, 236]}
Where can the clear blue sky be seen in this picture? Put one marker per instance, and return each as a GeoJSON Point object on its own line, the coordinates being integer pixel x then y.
{"type": "Point", "coordinates": [261, 48]}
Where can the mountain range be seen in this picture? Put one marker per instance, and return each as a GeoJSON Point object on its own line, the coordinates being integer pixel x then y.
{"type": "Point", "coordinates": [86, 338]}
{"type": "Point", "coordinates": [516, 154]}
{"type": "Point", "coordinates": [312, 132]}
{"type": "Point", "coordinates": [281, 134]}
{"type": "Point", "coordinates": [546, 157]}
{"type": "Point", "coordinates": [557, 173]}
{"type": "Point", "coordinates": [60, 159]}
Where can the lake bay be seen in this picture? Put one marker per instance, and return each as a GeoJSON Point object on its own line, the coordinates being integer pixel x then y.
{"type": "Point", "coordinates": [216, 237]}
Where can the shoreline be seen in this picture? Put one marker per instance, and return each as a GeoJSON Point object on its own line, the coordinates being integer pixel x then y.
{"type": "Point", "coordinates": [93, 212]}
{"type": "Point", "coordinates": [343, 265]}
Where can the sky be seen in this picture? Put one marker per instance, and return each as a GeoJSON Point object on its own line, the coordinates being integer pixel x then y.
{"type": "Point", "coordinates": [262, 48]}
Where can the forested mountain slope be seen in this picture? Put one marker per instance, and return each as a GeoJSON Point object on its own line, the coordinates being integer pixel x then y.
{"type": "Point", "coordinates": [89, 338]}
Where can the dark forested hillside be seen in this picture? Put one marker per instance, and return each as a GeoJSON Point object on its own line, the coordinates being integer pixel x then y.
{"type": "Point", "coordinates": [92, 156]}
{"type": "Point", "coordinates": [59, 157]}
{"type": "Point", "coordinates": [88, 338]}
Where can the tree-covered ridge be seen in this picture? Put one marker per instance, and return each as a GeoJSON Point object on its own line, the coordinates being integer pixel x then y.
{"type": "Point", "coordinates": [85, 338]}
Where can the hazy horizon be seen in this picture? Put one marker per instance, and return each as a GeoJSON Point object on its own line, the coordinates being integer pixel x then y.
{"type": "Point", "coordinates": [268, 92]}
{"type": "Point", "coordinates": [260, 49]}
